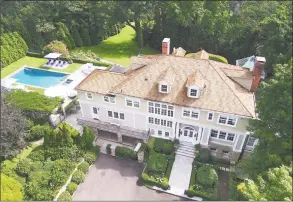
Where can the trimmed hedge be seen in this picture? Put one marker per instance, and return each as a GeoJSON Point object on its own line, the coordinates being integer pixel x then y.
{"type": "Point", "coordinates": [71, 187]}
{"type": "Point", "coordinates": [78, 177]}
{"type": "Point", "coordinates": [90, 157]}
{"type": "Point", "coordinates": [169, 169]}
{"type": "Point", "coordinates": [150, 143]}
{"type": "Point", "coordinates": [34, 54]}
{"type": "Point", "coordinates": [204, 155]}
{"type": "Point", "coordinates": [65, 196]}
{"type": "Point", "coordinates": [157, 164]}
{"type": "Point", "coordinates": [153, 182]}
{"type": "Point", "coordinates": [218, 58]}
{"type": "Point", "coordinates": [207, 176]}
{"type": "Point", "coordinates": [97, 63]}
{"type": "Point", "coordinates": [125, 153]}
{"type": "Point", "coordinates": [163, 146]}
{"type": "Point", "coordinates": [192, 193]}
{"type": "Point", "coordinates": [37, 132]}
{"type": "Point", "coordinates": [84, 167]}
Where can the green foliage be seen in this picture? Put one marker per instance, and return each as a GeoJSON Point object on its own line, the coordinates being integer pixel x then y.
{"type": "Point", "coordinates": [207, 176]}
{"type": "Point", "coordinates": [126, 153]}
{"type": "Point", "coordinates": [36, 55]}
{"type": "Point", "coordinates": [277, 185]}
{"type": "Point", "coordinates": [84, 33]}
{"type": "Point", "coordinates": [163, 146]}
{"type": "Point", "coordinates": [192, 177]}
{"type": "Point", "coordinates": [75, 34]}
{"type": "Point", "coordinates": [23, 167]}
{"type": "Point", "coordinates": [151, 181]}
{"type": "Point", "coordinates": [71, 187]}
{"type": "Point", "coordinates": [56, 46]}
{"type": "Point", "coordinates": [11, 190]}
{"type": "Point", "coordinates": [192, 193]}
{"type": "Point", "coordinates": [151, 143]}
{"type": "Point", "coordinates": [37, 132]}
{"type": "Point", "coordinates": [108, 148]}
{"type": "Point", "coordinates": [65, 196]}
{"type": "Point", "coordinates": [218, 58]}
{"type": "Point", "coordinates": [35, 106]}
{"type": "Point", "coordinates": [95, 63]}
{"type": "Point", "coordinates": [13, 47]}
{"type": "Point", "coordinates": [84, 167]}
{"type": "Point", "coordinates": [38, 154]}
{"type": "Point", "coordinates": [63, 34]}
{"type": "Point", "coordinates": [78, 177]}
{"type": "Point", "coordinates": [204, 155]}
{"type": "Point", "coordinates": [87, 138]}
{"type": "Point", "coordinates": [169, 169]}
{"type": "Point", "coordinates": [157, 164]}
{"type": "Point", "coordinates": [84, 55]}
{"type": "Point", "coordinates": [90, 157]}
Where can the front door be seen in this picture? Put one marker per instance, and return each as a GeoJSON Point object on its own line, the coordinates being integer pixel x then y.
{"type": "Point", "coordinates": [95, 112]}
{"type": "Point", "coordinates": [188, 134]}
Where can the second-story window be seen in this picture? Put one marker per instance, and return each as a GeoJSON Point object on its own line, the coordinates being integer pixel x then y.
{"type": "Point", "coordinates": [210, 116]}
{"type": "Point", "coordinates": [222, 135]}
{"type": "Point", "coordinates": [131, 102]}
{"type": "Point", "coordinates": [191, 113]}
{"type": "Point", "coordinates": [161, 109]}
{"type": "Point", "coordinates": [109, 99]}
{"type": "Point", "coordinates": [227, 120]}
{"type": "Point", "coordinates": [89, 96]}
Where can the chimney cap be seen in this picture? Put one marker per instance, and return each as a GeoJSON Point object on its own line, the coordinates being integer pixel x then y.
{"type": "Point", "coordinates": [260, 59]}
{"type": "Point", "coordinates": [166, 40]}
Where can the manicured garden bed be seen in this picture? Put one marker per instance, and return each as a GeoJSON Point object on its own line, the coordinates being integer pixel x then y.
{"type": "Point", "coordinates": [159, 156]}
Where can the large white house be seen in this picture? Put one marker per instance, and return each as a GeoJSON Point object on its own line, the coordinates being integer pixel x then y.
{"type": "Point", "coordinates": [193, 100]}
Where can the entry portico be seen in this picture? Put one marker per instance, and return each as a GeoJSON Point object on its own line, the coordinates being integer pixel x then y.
{"type": "Point", "coordinates": [188, 133]}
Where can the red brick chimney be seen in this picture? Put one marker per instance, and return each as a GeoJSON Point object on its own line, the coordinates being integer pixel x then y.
{"type": "Point", "coordinates": [257, 71]}
{"type": "Point", "coordinates": [166, 46]}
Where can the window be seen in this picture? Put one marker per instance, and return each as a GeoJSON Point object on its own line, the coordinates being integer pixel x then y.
{"type": "Point", "coordinates": [222, 135]}
{"type": "Point", "coordinates": [213, 149]}
{"type": "Point", "coordinates": [193, 92]}
{"type": "Point", "coordinates": [136, 104]}
{"type": "Point", "coordinates": [167, 134]}
{"type": "Point", "coordinates": [89, 96]}
{"type": "Point", "coordinates": [95, 110]}
{"type": "Point", "coordinates": [132, 102]}
{"type": "Point", "coordinates": [169, 124]}
{"type": "Point", "coordinates": [161, 109]}
{"type": "Point", "coordinates": [251, 141]}
{"type": "Point", "coordinates": [230, 136]}
{"type": "Point", "coordinates": [164, 88]}
{"type": "Point", "coordinates": [160, 133]}
{"type": "Point", "coordinates": [191, 113]}
{"type": "Point", "coordinates": [116, 115]}
{"type": "Point", "coordinates": [122, 116]}
{"type": "Point", "coordinates": [129, 103]}
{"type": "Point", "coordinates": [163, 122]}
{"type": "Point", "coordinates": [157, 121]}
{"type": "Point", "coordinates": [227, 120]}
{"type": "Point", "coordinates": [110, 113]}
{"type": "Point", "coordinates": [109, 99]}
{"type": "Point", "coordinates": [225, 152]}
{"type": "Point", "coordinates": [151, 120]}
{"type": "Point", "coordinates": [210, 116]}
{"type": "Point", "coordinates": [214, 133]}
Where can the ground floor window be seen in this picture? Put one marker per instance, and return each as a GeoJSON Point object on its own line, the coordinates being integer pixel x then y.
{"type": "Point", "coordinates": [160, 133]}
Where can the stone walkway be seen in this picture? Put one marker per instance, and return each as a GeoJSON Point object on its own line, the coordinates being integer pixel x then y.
{"type": "Point", "coordinates": [224, 185]}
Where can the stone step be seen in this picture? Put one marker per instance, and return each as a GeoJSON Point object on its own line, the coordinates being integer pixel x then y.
{"type": "Point", "coordinates": [185, 143]}
{"type": "Point", "coordinates": [186, 148]}
{"type": "Point", "coordinates": [187, 154]}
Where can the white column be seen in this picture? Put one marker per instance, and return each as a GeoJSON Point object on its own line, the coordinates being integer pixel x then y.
{"type": "Point", "coordinates": [177, 130]}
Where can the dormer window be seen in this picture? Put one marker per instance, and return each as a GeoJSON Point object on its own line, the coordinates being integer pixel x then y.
{"type": "Point", "coordinates": [164, 88]}
{"type": "Point", "coordinates": [194, 84]}
{"type": "Point", "coordinates": [193, 92]}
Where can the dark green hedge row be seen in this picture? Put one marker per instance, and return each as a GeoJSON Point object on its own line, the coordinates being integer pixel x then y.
{"type": "Point", "coordinates": [34, 54]}
{"type": "Point", "coordinates": [126, 153]}
{"type": "Point", "coordinates": [13, 47]}
{"type": "Point", "coordinates": [150, 181]}
{"type": "Point", "coordinates": [218, 58]}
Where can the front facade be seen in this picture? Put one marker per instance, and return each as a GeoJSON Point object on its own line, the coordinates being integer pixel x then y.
{"type": "Point", "coordinates": [192, 100]}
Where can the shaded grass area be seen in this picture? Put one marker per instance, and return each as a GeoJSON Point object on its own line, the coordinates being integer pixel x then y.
{"type": "Point", "coordinates": [119, 48]}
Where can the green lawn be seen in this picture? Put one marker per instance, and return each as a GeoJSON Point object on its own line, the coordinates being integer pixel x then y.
{"type": "Point", "coordinates": [119, 48]}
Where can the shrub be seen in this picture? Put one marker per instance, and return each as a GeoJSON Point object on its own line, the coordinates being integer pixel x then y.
{"type": "Point", "coordinates": [96, 63]}
{"type": "Point", "coordinates": [84, 167]}
{"type": "Point", "coordinates": [197, 147]}
{"type": "Point", "coordinates": [153, 182]}
{"type": "Point", "coordinates": [71, 187]}
{"type": "Point", "coordinates": [37, 132]}
{"type": "Point", "coordinates": [11, 190]}
{"type": "Point", "coordinates": [37, 154]}
{"type": "Point", "coordinates": [217, 160]}
{"type": "Point", "coordinates": [56, 46]}
{"type": "Point", "coordinates": [82, 55]}
{"type": "Point", "coordinates": [108, 148]}
{"type": "Point", "coordinates": [36, 55]}
{"type": "Point", "coordinates": [207, 176]}
{"type": "Point", "coordinates": [150, 143]}
{"type": "Point", "coordinates": [203, 156]}
{"type": "Point", "coordinates": [65, 196]}
{"type": "Point", "coordinates": [218, 58]}
{"type": "Point", "coordinates": [125, 153]}
{"type": "Point", "coordinates": [169, 169]}
{"type": "Point", "coordinates": [23, 167]}
{"type": "Point", "coordinates": [78, 177]}
{"type": "Point", "coordinates": [87, 138]}
{"type": "Point", "coordinates": [157, 165]}
{"type": "Point", "coordinates": [163, 146]}
{"type": "Point", "coordinates": [192, 193]}
{"type": "Point", "coordinates": [70, 153]}
{"type": "Point", "coordinates": [90, 157]}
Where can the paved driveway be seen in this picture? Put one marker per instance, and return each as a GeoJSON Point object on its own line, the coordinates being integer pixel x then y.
{"type": "Point", "coordinates": [116, 179]}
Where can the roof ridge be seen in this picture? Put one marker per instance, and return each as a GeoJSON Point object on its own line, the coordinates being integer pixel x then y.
{"type": "Point", "coordinates": [231, 88]}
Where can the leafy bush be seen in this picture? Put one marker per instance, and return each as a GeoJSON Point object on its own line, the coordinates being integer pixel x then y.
{"type": "Point", "coordinates": [71, 187]}
{"type": "Point", "coordinates": [13, 47]}
{"type": "Point", "coordinates": [169, 169]}
{"type": "Point", "coordinates": [97, 63]}
{"type": "Point", "coordinates": [23, 167]}
{"type": "Point", "coordinates": [192, 177]}
{"type": "Point", "coordinates": [153, 182]}
{"type": "Point", "coordinates": [35, 106]}
{"type": "Point", "coordinates": [36, 55]}
{"type": "Point", "coordinates": [125, 153]}
{"type": "Point", "coordinates": [70, 153]}
{"type": "Point", "coordinates": [11, 190]}
{"type": "Point", "coordinates": [90, 157]}
{"type": "Point", "coordinates": [65, 196]}
{"type": "Point", "coordinates": [84, 55]}
{"type": "Point", "coordinates": [37, 132]}
{"type": "Point", "coordinates": [157, 165]}
{"type": "Point", "coordinates": [203, 156]}
{"type": "Point", "coordinates": [78, 177]}
{"type": "Point", "coordinates": [38, 154]}
{"type": "Point", "coordinates": [192, 193]}
{"type": "Point", "coordinates": [87, 138]}
{"type": "Point", "coordinates": [84, 167]}
{"type": "Point", "coordinates": [218, 58]}
{"type": "Point", "coordinates": [207, 176]}
{"type": "Point", "coordinates": [217, 160]}
{"type": "Point", "coordinates": [163, 146]}
{"type": "Point", "coordinates": [56, 46]}
{"type": "Point", "coordinates": [63, 34]}
{"type": "Point", "coordinates": [150, 143]}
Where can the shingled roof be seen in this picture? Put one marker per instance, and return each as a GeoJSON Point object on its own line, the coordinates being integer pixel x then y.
{"type": "Point", "coordinates": [220, 93]}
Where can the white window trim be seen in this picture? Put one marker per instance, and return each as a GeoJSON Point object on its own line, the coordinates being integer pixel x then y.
{"type": "Point", "coordinates": [190, 110]}
{"type": "Point", "coordinates": [160, 115]}
{"type": "Point", "coordinates": [132, 100]}
{"type": "Point", "coordinates": [113, 117]}
{"type": "Point", "coordinates": [161, 86]}
{"type": "Point", "coordinates": [194, 87]}
{"type": "Point", "coordinates": [86, 95]}
{"type": "Point", "coordinates": [103, 97]}
{"type": "Point", "coordinates": [226, 137]}
{"type": "Point", "coordinates": [228, 116]}
{"type": "Point", "coordinates": [254, 144]}
{"type": "Point", "coordinates": [163, 133]}
{"type": "Point", "coordinates": [212, 114]}
{"type": "Point", "coordinates": [160, 122]}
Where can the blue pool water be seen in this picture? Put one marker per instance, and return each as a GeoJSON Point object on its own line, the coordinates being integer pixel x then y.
{"type": "Point", "coordinates": [38, 77]}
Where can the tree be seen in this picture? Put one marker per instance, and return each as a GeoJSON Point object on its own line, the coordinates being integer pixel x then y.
{"type": "Point", "coordinates": [274, 124]}
{"type": "Point", "coordinates": [56, 46]}
{"type": "Point", "coordinates": [75, 34]}
{"type": "Point", "coordinates": [13, 130]}
{"type": "Point", "coordinates": [276, 185]}
{"type": "Point", "coordinates": [87, 138]}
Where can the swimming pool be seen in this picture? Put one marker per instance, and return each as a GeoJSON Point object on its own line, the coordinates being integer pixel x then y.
{"type": "Point", "coordinates": [38, 77]}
